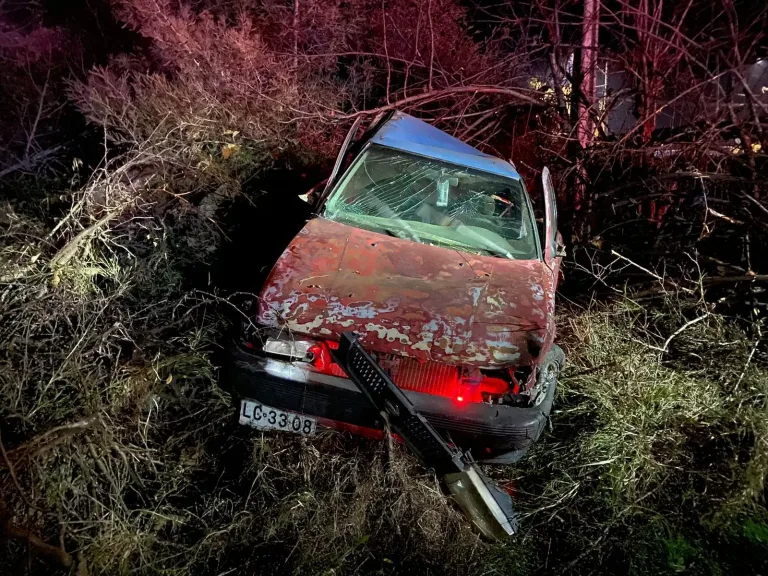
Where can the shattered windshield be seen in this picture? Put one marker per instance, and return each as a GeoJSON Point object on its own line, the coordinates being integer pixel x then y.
{"type": "Point", "coordinates": [433, 202]}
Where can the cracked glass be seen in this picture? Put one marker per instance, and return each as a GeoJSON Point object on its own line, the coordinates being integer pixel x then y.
{"type": "Point", "coordinates": [434, 202]}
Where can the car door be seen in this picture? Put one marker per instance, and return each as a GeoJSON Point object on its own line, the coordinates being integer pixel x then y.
{"type": "Point", "coordinates": [552, 239]}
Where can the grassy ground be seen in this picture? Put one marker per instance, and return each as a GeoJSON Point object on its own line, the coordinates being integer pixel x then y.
{"type": "Point", "coordinates": [656, 463]}
{"type": "Point", "coordinates": [121, 450]}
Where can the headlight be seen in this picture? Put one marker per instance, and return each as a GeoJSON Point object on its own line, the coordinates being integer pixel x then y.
{"type": "Point", "coordinates": [291, 349]}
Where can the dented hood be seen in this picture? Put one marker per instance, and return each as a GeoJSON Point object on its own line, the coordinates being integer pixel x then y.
{"type": "Point", "coordinates": [411, 299]}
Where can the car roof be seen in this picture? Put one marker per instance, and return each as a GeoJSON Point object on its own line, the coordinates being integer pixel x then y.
{"type": "Point", "coordinates": [404, 132]}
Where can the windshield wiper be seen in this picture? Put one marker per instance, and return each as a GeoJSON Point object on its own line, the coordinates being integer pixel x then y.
{"type": "Point", "coordinates": [402, 234]}
{"type": "Point", "coordinates": [390, 232]}
{"type": "Point", "coordinates": [483, 251]}
{"type": "Point", "coordinates": [488, 245]}
{"type": "Point", "coordinates": [488, 250]}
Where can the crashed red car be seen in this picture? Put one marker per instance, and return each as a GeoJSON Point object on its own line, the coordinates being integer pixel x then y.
{"type": "Point", "coordinates": [428, 250]}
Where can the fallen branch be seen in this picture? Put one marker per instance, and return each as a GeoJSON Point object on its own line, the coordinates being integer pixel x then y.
{"type": "Point", "coordinates": [732, 279]}
{"type": "Point", "coordinates": [664, 348]}
{"type": "Point", "coordinates": [8, 529]}
{"type": "Point", "coordinates": [682, 328]}
{"type": "Point", "coordinates": [47, 440]}
{"type": "Point", "coordinates": [659, 278]}
{"type": "Point", "coordinates": [445, 93]}
{"type": "Point", "coordinates": [14, 478]}
{"type": "Point", "coordinates": [70, 248]}
{"type": "Point", "coordinates": [723, 216]}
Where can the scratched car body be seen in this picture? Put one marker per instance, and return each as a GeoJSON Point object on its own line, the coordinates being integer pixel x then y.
{"type": "Point", "coordinates": [428, 250]}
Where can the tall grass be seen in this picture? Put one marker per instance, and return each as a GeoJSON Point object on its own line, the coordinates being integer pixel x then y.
{"type": "Point", "coordinates": [127, 455]}
{"type": "Point", "coordinates": [124, 453]}
{"type": "Point", "coordinates": [657, 459]}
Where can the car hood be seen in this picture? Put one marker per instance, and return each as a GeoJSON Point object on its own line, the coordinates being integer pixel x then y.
{"type": "Point", "coordinates": [410, 299]}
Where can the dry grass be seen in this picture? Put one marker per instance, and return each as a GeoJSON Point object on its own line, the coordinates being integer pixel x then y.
{"type": "Point", "coordinates": [657, 461]}
{"type": "Point", "coordinates": [128, 455]}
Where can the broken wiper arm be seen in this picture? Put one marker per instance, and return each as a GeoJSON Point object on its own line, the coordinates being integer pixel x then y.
{"type": "Point", "coordinates": [402, 234]}
{"type": "Point", "coordinates": [390, 232]}
{"type": "Point", "coordinates": [483, 502]}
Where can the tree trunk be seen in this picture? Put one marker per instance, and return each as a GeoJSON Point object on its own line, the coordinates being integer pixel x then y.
{"type": "Point", "coordinates": [584, 128]}
{"type": "Point", "coordinates": [295, 34]}
{"type": "Point", "coordinates": [584, 125]}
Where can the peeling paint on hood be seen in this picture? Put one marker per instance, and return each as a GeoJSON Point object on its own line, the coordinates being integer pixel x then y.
{"type": "Point", "coordinates": [411, 299]}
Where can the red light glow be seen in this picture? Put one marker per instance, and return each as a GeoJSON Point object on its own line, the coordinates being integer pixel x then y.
{"type": "Point", "coordinates": [424, 377]}
{"type": "Point", "coordinates": [322, 361]}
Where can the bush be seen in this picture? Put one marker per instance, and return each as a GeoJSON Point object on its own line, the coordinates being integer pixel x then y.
{"type": "Point", "coordinates": [657, 461]}
{"type": "Point", "coordinates": [220, 91]}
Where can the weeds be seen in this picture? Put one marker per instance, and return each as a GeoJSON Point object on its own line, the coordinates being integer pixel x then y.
{"type": "Point", "coordinates": [123, 443]}
{"type": "Point", "coordinates": [128, 456]}
{"type": "Point", "coordinates": [655, 459]}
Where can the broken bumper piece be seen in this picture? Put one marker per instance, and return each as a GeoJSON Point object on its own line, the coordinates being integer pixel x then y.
{"type": "Point", "coordinates": [487, 430]}
{"type": "Point", "coordinates": [485, 504]}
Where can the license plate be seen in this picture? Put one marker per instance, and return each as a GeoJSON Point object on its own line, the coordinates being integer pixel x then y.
{"type": "Point", "coordinates": [264, 417]}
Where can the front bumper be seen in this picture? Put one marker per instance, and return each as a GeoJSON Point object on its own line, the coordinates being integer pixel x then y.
{"type": "Point", "coordinates": [488, 430]}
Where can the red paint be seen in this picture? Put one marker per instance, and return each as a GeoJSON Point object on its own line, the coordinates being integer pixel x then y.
{"type": "Point", "coordinates": [408, 299]}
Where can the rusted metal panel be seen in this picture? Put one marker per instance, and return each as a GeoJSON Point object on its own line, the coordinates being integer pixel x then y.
{"type": "Point", "coordinates": [411, 299]}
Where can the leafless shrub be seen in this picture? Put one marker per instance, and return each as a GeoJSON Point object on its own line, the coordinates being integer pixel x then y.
{"type": "Point", "coordinates": [34, 58]}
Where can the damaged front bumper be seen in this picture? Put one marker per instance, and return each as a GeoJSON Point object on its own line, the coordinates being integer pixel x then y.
{"type": "Point", "coordinates": [489, 431]}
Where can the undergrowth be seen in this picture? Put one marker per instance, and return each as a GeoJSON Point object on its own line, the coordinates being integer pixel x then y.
{"type": "Point", "coordinates": [122, 455]}
{"type": "Point", "coordinates": [657, 460]}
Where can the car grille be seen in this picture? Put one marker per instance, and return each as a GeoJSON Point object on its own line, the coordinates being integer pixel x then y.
{"type": "Point", "coordinates": [425, 377]}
